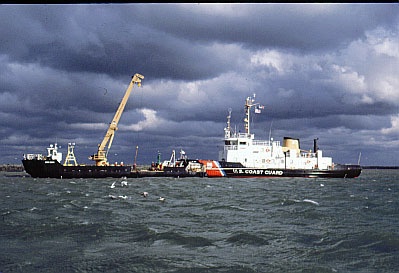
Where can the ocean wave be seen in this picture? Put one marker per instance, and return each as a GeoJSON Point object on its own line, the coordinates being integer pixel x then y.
{"type": "Point", "coordinates": [184, 240]}
{"type": "Point", "coordinates": [245, 238]}
{"type": "Point", "coordinates": [235, 225]}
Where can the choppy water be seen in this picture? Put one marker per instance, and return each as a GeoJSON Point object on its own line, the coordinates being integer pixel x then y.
{"type": "Point", "coordinates": [204, 225]}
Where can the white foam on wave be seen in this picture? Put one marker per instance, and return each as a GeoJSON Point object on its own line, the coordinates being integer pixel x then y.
{"type": "Point", "coordinates": [311, 201]}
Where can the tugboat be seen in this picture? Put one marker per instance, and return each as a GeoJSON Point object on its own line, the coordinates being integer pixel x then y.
{"type": "Point", "coordinates": [243, 156]}
{"type": "Point", "coordinates": [182, 167]}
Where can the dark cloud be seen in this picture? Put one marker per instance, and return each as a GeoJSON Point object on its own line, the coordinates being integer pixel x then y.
{"type": "Point", "coordinates": [301, 27]}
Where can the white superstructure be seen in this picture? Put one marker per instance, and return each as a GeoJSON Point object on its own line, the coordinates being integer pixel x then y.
{"type": "Point", "coordinates": [52, 154]}
{"type": "Point", "coordinates": [268, 154]}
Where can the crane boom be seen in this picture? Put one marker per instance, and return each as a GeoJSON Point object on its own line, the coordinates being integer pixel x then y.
{"type": "Point", "coordinates": [101, 157]}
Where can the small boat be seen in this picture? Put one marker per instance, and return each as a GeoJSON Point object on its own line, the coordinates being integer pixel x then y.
{"type": "Point", "coordinates": [182, 167]}
{"type": "Point", "coordinates": [243, 156]}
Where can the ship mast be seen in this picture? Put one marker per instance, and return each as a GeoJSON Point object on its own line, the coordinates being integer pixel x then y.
{"type": "Point", "coordinates": [227, 130]}
{"type": "Point", "coordinates": [135, 157]}
{"type": "Point", "coordinates": [249, 102]}
{"type": "Point", "coordinates": [70, 159]}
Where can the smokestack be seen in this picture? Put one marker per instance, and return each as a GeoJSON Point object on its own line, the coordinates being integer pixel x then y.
{"type": "Point", "coordinates": [315, 147]}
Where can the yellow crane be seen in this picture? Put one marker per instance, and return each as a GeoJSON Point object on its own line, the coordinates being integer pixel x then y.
{"type": "Point", "coordinates": [101, 156]}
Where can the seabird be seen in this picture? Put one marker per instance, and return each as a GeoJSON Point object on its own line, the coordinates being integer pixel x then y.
{"type": "Point", "coordinates": [113, 185]}
{"type": "Point", "coordinates": [122, 196]}
{"type": "Point", "coordinates": [124, 183]}
{"type": "Point", "coordinates": [162, 199]}
{"type": "Point", "coordinates": [144, 194]}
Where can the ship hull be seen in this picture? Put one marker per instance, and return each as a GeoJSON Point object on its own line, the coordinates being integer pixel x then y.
{"type": "Point", "coordinates": [176, 172]}
{"type": "Point", "coordinates": [236, 170]}
{"type": "Point", "coordinates": [53, 169]}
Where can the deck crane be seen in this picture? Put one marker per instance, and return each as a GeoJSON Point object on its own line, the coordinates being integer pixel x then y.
{"type": "Point", "coordinates": [101, 156]}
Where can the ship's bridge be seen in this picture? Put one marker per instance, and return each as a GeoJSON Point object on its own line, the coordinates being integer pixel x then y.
{"type": "Point", "coordinates": [247, 140]}
{"type": "Point", "coordinates": [266, 143]}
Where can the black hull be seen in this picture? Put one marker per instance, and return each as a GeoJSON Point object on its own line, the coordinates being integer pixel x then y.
{"type": "Point", "coordinates": [53, 169]}
{"type": "Point", "coordinates": [236, 170]}
{"type": "Point", "coordinates": [176, 173]}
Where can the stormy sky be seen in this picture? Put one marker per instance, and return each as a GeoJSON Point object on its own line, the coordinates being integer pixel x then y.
{"type": "Point", "coordinates": [327, 71]}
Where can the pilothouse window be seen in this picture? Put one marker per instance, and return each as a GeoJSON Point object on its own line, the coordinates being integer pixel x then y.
{"type": "Point", "coordinates": [229, 142]}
